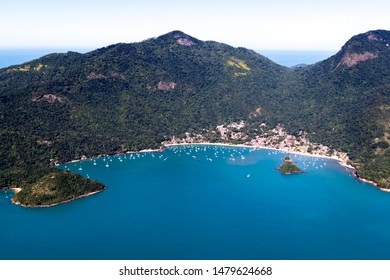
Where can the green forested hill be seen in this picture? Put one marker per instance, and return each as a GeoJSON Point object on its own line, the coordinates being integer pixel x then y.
{"type": "Point", "coordinates": [133, 96]}
{"type": "Point", "coordinates": [348, 103]}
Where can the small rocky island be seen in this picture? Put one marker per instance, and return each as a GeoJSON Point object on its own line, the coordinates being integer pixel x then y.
{"type": "Point", "coordinates": [288, 167]}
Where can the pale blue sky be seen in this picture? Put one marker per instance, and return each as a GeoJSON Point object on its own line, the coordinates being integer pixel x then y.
{"type": "Point", "coordinates": [261, 25]}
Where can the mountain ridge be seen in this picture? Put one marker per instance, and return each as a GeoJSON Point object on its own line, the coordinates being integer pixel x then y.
{"type": "Point", "coordinates": [127, 97]}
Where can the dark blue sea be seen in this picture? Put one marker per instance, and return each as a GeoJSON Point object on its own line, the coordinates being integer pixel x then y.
{"type": "Point", "coordinates": [205, 202]}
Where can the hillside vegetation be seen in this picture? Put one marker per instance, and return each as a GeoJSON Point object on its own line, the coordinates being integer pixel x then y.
{"type": "Point", "coordinates": [127, 97]}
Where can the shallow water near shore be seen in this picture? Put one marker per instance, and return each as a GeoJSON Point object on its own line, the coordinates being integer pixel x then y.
{"type": "Point", "coordinates": [205, 202]}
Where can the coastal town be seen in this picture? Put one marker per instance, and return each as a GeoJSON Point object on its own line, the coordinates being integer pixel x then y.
{"type": "Point", "coordinates": [263, 137]}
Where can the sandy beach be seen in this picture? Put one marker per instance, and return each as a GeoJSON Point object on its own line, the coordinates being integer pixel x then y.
{"type": "Point", "coordinates": [15, 189]}
{"type": "Point", "coordinates": [150, 150]}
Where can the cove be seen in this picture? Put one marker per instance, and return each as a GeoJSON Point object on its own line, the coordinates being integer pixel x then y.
{"type": "Point", "coordinates": [205, 202]}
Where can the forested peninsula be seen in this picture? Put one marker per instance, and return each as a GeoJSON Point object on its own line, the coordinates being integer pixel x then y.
{"type": "Point", "coordinates": [55, 188]}
{"type": "Point", "coordinates": [129, 97]}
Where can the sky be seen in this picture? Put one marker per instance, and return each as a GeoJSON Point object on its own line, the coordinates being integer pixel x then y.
{"type": "Point", "coordinates": [260, 25]}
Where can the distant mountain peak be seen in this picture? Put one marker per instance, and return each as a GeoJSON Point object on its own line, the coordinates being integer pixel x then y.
{"type": "Point", "coordinates": [180, 38]}
{"type": "Point", "coordinates": [371, 36]}
{"type": "Point", "coordinates": [176, 34]}
{"type": "Point", "coordinates": [365, 47]}
{"type": "Point", "coordinates": [377, 35]}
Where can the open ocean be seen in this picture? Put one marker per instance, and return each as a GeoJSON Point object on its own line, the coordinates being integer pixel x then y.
{"type": "Point", "coordinates": [205, 202]}
{"type": "Point", "coordinates": [294, 58]}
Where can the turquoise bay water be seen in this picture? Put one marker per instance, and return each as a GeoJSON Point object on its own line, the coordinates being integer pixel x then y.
{"type": "Point", "coordinates": [205, 202]}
